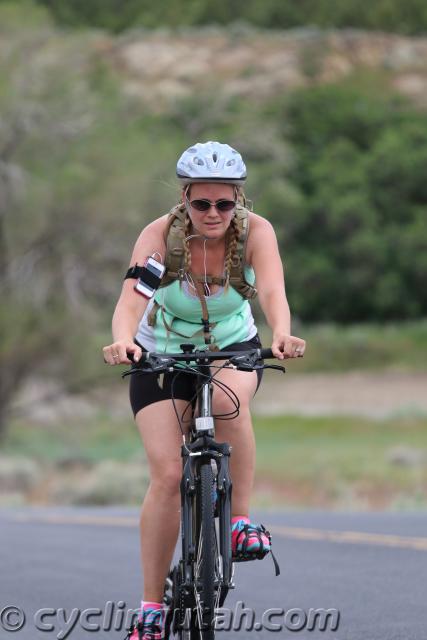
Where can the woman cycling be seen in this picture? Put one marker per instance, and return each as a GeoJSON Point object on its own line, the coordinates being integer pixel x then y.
{"type": "Point", "coordinates": [215, 250]}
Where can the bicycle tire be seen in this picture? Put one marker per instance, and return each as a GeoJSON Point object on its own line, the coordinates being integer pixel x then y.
{"type": "Point", "coordinates": [205, 556]}
{"type": "Point", "coordinates": [174, 599]}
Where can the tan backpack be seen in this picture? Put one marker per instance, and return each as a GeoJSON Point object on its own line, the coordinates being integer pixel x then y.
{"type": "Point", "coordinates": [174, 262]}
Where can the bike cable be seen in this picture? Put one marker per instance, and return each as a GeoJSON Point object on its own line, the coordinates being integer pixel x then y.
{"type": "Point", "coordinates": [211, 378]}
{"type": "Point", "coordinates": [226, 389]}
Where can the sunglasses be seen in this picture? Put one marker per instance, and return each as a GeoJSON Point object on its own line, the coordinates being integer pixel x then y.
{"type": "Point", "coordinates": [220, 205]}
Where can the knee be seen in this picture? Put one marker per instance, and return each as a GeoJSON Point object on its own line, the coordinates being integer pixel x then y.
{"type": "Point", "coordinates": [223, 405]}
{"type": "Point", "coordinates": [166, 478]}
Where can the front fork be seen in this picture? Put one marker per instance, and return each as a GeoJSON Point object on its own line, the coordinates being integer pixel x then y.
{"type": "Point", "coordinates": [205, 446]}
{"type": "Point", "coordinates": [224, 488]}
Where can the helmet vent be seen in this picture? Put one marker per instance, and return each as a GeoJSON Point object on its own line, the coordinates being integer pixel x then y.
{"type": "Point", "coordinates": [198, 161]}
{"type": "Point", "coordinates": [214, 157]}
{"type": "Point", "coordinates": [231, 162]}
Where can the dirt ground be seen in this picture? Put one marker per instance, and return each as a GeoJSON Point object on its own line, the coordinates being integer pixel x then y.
{"type": "Point", "coordinates": [374, 395]}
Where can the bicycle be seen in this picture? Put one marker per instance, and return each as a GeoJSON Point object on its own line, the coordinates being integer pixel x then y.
{"type": "Point", "coordinates": [199, 583]}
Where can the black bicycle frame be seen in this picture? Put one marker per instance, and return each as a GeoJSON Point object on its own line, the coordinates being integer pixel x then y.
{"type": "Point", "coordinates": [203, 446]}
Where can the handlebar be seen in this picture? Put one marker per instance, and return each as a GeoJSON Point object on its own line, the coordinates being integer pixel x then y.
{"type": "Point", "coordinates": [248, 360]}
{"type": "Point", "coordinates": [201, 357]}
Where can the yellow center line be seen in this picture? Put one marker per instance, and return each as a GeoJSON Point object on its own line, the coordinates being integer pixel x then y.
{"type": "Point", "coordinates": [297, 533]}
{"type": "Point", "coordinates": [351, 537]}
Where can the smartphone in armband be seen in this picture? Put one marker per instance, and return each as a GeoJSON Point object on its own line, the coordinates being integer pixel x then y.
{"type": "Point", "coordinates": [151, 277]}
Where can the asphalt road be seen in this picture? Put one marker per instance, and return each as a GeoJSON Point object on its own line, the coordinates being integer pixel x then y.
{"type": "Point", "coordinates": [368, 569]}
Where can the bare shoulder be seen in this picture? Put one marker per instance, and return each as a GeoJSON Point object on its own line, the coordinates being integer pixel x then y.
{"type": "Point", "coordinates": [151, 239]}
{"type": "Point", "coordinates": [156, 228]}
{"type": "Point", "coordinates": [261, 233]}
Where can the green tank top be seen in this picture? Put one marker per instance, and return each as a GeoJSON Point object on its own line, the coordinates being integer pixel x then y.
{"type": "Point", "coordinates": [183, 312]}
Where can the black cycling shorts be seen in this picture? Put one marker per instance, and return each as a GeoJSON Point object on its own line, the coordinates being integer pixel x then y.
{"type": "Point", "coordinates": [144, 388]}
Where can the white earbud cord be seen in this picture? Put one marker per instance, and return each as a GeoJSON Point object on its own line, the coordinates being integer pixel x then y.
{"type": "Point", "coordinates": [189, 278]}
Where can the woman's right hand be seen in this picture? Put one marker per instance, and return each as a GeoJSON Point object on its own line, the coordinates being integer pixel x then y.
{"type": "Point", "coordinates": [116, 353]}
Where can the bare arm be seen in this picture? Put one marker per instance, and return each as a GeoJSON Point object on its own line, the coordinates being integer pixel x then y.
{"type": "Point", "coordinates": [263, 254]}
{"type": "Point", "coordinates": [131, 305]}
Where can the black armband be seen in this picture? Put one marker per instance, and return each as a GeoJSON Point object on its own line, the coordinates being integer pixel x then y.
{"type": "Point", "coordinates": [134, 272]}
{"type": "Point", "coordinates": [149, 276]}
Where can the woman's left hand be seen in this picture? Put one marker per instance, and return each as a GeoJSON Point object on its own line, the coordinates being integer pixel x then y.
{"type": "Point", "coordinates": [286, 346]}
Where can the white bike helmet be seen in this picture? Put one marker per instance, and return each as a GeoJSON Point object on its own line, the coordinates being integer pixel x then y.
{"type": "Point", "coordinates": [211, 162]}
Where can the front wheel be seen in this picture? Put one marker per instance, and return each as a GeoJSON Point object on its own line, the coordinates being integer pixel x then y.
{"type": "Point", "coordinates": [205, 557]}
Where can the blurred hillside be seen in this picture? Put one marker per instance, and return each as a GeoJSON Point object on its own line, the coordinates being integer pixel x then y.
{"type": "Point", "coordinates": [163, 68]}
{"type": "Point", "coordinates": [332, 124]}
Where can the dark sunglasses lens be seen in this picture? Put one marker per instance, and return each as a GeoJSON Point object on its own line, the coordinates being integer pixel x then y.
{"type": "Point", "coordinates": [200, 205]}
{"type": "Point", "coordinates": [225, 205]}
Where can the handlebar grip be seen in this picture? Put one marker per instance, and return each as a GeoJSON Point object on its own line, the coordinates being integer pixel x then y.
{"type": "Point", "coordinates": [266, 353]}
{"type": "Point", "coordinates": [141, 359]}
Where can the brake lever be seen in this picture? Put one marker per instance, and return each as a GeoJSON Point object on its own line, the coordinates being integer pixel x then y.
{"type": "Point", "coordinates": [251, 362]}
{"type": "Point", "coordinates": [247, 362]}
{"type": "Point", "coordinates": [152, 364]}
{"type": "Point", "coordinates": [158, 364]}
{"type": "Point", "coordinates": [275, 366]}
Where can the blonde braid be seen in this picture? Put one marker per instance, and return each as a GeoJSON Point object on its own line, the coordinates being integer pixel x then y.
{"type": "Point", "coordinates": [233, 237]}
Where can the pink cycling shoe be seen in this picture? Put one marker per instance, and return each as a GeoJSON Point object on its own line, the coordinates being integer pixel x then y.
{"type": "Point", "coordinates": [150, 624]}
{"type": "Point", "coordinates": [250, 541]}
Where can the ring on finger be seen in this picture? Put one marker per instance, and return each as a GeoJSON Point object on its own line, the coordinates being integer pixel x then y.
{"type": "Point", "coordinates": [116, 356]}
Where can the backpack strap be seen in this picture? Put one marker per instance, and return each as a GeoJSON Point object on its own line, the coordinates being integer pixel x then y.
{"type": "Point", "coordinates": [151, 320]}
{"type": "Point", "coordinates": [209, 340]}
{"type": "Point", "coordinates": [174, 241]}
{"type": "Point", "coordinates": [211, 279]}
{"type": "Point", "coordinates": [151, 316]}
{"type": "Point", "coordinates": [237, 270]}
